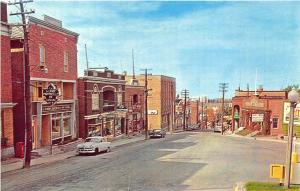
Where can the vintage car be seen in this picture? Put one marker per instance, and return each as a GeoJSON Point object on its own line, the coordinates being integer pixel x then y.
{"type": "Point", "coordinates": [157, 133]}
{"type": "Point", "coordinates": [94, 145]}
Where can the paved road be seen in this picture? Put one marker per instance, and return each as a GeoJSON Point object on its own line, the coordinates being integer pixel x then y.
{"type": "Point", "coordinates": [184, 161]}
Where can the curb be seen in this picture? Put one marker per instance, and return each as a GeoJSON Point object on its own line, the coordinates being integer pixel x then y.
{"type": "Point", "coordinates": [19, 165]}
{"type": "Point", "coordinates": [262, 139]}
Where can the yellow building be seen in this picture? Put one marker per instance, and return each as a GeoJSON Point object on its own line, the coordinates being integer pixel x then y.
{"type": "Point", "coordinates": [161, 101]}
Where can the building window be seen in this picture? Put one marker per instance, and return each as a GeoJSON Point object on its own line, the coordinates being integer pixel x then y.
{"type": "Point", "coordinates": [40, 92]}
{"type": "Point", "coordinates": [56, 122]}
{"type": "Point", "coordinates": [108, 74]}
{"type": "Point", "coordinates": [275, 123]}
{"type": "Point", "coordinates": [95, 101]}
{"type": "Point", "coordinates": [66, 61]}
{"type": "Point", "coordinates": [135, 99]}
{"type": "Point", "coordinates": [42, 55]}
{"type": "Point", "coordinates": [67, 124]}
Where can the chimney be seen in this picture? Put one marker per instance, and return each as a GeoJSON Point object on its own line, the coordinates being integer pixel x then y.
{"type": "Point", "coordinates": [3, 12]}
{"type": "Point", "coordinates": [52, 21]}
{"type": "Point", "coordinates": [260, 88]}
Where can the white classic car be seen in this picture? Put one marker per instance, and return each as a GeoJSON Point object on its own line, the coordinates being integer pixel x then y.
{"type": "Point", "coordinates": [94, 145]}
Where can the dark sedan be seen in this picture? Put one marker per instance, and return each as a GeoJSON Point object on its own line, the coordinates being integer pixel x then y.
{"type": "Point", "coordinates": [157, 133]}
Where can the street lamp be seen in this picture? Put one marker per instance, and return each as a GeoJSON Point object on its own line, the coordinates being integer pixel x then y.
{"type": "Point", "coordinates": [293, 97]}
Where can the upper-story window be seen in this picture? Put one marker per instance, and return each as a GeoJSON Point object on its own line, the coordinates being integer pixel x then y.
{"type": "Point", "coordinates": [42, 55]}
{"type": "Point", "coordinates": [66, 61]}
{"type": "Point", "coordinates": [135, 99]}
{"type": "Point", "coordinates": [108, 74]}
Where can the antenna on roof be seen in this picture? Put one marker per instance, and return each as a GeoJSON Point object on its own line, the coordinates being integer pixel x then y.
{"type": "Point", "coordinates": [133, 74]}
{"type": "Point", "coordinates": [86, 58]}
{"type": "Point", "coordinates": [255, 82]}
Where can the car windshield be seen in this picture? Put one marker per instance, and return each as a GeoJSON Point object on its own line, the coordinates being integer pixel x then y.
{"type": "Point", "coordinates": [91, 140]}
{"type": "Point", "coordinates": [156, 130]}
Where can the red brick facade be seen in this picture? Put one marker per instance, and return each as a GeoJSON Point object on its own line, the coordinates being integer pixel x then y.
{"type": "Point", "coordinates": [267, 104]}
{"type": "Point", "coordinates": [58, 68]}
{"type": "Point", "coordinates": [135, 101]}
{"type": "Point", "coordinates": [100, 94]}
{"type": "Point", "coordinates": [6, 82]}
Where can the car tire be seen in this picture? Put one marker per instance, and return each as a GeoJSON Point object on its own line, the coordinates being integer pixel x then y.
{"type": "Point", "coordinates": [96, 151]}
{"type": "Point", "coordinates": [108, 149]}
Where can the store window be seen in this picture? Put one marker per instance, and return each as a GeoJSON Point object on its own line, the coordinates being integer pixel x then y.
{"type": "Point", "coordinates": [56, 126]}
{"type": "Point", "coordinates": [67, 124]}
{"type": "Point", "coordinates": [275, 123]}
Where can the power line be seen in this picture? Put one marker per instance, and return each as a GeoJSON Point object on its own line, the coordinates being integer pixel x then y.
{"type": "Point", "coordinates": [146, 101]}
{"type": "Point", "coordinates": [223, 88]}
{"type": "Point", "coordinates": [185, 94]}
{"type": "Point", "coordinates": [27, 102]}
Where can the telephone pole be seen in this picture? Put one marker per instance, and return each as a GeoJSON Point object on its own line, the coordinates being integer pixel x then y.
{"type": "Point", "coordinates": [28, 123]}
{"type": "Point", "coordinates": [146, 102]}
{"type": "Point", "coordinates": [223, 88]}
{"type": "Point", "coordinates": [185, 94]}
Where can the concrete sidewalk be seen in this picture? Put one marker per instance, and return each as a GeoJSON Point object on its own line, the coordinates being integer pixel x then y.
{"type": "Point", "coordinates": [16, 163]}
{"type": "Point", "coordinates": [270, 139]}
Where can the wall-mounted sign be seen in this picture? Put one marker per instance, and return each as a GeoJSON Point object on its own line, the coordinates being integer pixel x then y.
{"type": "Point", "coordinates": [257, 117]}
{"type": "Point", "coordinates": [56, 108]}
{"type": "Point", "coordinates": [51, 94]}
{"type": "Point", "coordinates": [255, 102]}
{"type": "Point", "coordinates": [152, 112]}
{"type": "Point", "coordinates": [286, 113]}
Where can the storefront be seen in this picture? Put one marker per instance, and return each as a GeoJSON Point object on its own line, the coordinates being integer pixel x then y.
{"type": "Point", "coordinates": [53, 124]}
{"type": "Point", "coordinates": [109, 124]}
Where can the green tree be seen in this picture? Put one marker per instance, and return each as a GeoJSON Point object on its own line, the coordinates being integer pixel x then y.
{"type": "Point", "coordinates": [290, 87]}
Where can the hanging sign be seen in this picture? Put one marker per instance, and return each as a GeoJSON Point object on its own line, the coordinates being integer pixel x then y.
{"type": "Point", "coordinates": [51, 94]}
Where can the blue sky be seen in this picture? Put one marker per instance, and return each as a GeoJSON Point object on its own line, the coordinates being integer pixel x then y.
{"type": "Point", "coordinates": [199, 43]}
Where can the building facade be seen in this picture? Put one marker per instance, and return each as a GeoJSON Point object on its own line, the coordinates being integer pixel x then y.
{"type": "Point", "coordinates": [102, 109]}
{"type": "Point", "coordinates": [7, 138]}
{"type": "Point", "coordinates": [259, 111]}
{"type": "Point", "coordinates": [53, 64]}
{"type": "Point", "coordinates": [134, 101]}
{"type": "Point", "coordinates": [161, 101]}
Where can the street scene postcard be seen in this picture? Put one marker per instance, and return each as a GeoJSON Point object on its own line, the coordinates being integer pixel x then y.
{"type": "Point", "coordinates": [150, 95]}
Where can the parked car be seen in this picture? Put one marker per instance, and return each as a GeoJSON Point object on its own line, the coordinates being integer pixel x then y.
{"type": "Point", "coordinates": [157, 133]}
{"type": "Point", "coordinates": [218, 128]}
{"type": "Point", "coordinates": [94, 145]}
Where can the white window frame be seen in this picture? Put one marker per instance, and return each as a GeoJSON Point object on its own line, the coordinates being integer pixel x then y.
{"type": "Point", "coordinates": [95, 101]}
{"type": "Point", "coordinates": [42, 55]}
{"type": "Point", "coordinates": [66, 61]}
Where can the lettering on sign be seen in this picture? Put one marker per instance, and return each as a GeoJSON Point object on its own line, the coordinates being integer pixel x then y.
{"type": "Point", "coordinates": [254, 102]}
{"type": "Point", "coordinates": [56, 108]}
{"type": "Point", "coordinates": [51, 94]}
{"type": "Point", "coordinates": [257, 117]}
{"type": "Point", "coordinates": [152, 112]}
{"type": "Point", "coordinates": [286, 113]}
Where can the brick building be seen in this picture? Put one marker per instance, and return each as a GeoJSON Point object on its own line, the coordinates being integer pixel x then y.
{"type": "Point", "coordinates": [179, 113]}
{"type": "Point", "coordinates": [259, 111]}
{"type": "Point", "coordinates": [102, 110]}
{"type": "Point", "coordinates": [53, 62]}
{"type": "Point", "coordinates": [195, 111]}
{"type": "Point", "coordinates": [7, 139]}
{"type": "Point", "coordinates": [134, 101]}
{"type": "Point", "coordinates": [161, 101]}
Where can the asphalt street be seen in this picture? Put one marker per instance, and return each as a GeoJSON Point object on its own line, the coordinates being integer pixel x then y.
{"type": "Point", "coordinates": [183, 161]}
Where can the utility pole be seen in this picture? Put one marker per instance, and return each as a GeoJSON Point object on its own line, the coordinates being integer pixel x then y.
{"type": "Point", "coordinates": [197, 117]}
{"type": "Point", "coordinates": [185, 94]}
{"type": "Point", "coordinates": [223, 88]}
{"type": "Point", "coordinates": [146, 102]}
{"type": "Point", "coordinates": [86, 58]}
{"type": "Point", "coordinates": [28, 123]}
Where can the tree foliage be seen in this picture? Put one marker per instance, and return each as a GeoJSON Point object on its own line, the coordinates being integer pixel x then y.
{"type": "Point", "coordinates": [290, 87]}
